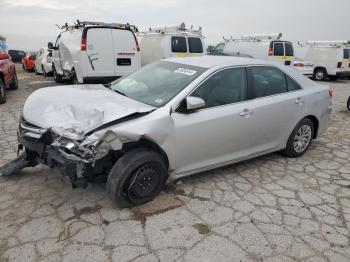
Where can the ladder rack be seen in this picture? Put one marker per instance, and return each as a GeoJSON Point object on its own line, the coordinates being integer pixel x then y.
{"type": "Point", "coordinates": [255, 37]}
{"type": "Point", "coordinates": [81, 24]}
{"type": "Point", "coordinates": [174, 28]}
{"type": "Point", "coordinates": [334, 43]}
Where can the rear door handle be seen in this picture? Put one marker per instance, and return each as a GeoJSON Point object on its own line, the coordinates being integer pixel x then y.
{"type": "Point", "coordinates": [246, 112]}
{"type": "Point", "coordinates": [299, 101]}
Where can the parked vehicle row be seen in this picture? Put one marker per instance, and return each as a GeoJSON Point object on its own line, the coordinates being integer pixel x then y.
{"type": "Point", "coordinates": [8, 76]}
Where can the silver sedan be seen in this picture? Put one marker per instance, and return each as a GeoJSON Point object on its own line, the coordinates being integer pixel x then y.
{"type": "Point", "coordinates": [174, 118]}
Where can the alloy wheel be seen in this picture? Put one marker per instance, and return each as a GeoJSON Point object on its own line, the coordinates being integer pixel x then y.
{"type": "Point", "coordinates": [302, 138]}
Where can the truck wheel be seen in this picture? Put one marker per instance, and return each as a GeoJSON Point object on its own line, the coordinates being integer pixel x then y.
{"type": "Point", "coordinates": [136, 178]}
{"type": "Point", "coordinates": [348, 104]}
{"type": "Point", "coordinates": [320, 74]}
{"type": "Point", "coordinates": [57, 77]}
{"type": "Point", "coordinates": [2, 92]}
{"type": "Point", "coordinates": [300, 139]}
{"type": "Point", "coordinates": [14, 83]}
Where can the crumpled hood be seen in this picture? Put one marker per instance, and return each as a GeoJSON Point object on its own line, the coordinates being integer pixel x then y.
{"type": "Point", "coordinates": [78, 108]}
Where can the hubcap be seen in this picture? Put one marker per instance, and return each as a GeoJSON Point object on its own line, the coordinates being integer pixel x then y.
{"type": "Point", "coordinates": [302, 138]}
{"type": "Point", "coordinates": [319, 75]}
{"type": "Point", "coordinates": [143, 183]}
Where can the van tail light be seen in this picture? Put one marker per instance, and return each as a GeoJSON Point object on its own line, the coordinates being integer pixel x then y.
{"type": "Point", "coordinates": [270, 51]}
{"type": "Point", "coordinates": [299, 65]}
{"type": "Point", "coordinates": [330, 92]}
{"type": "Point", "coordinates": [83, 44]}
{"type": "Point", "coordinates": [339, 64]}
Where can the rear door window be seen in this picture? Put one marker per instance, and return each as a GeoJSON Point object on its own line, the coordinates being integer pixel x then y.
{"type": "Point", "coordinates": [278, 49]}
{"type": "Point", "coordinates": [289, 49]}
{"type": "Point", "coordinates": [268, 81]}
{"type": "Point", "coordinates": [346, 53]}
{"type": "Point", "coordinates": [292, 85]}
{"type": "Point", "coordinates": [178, 44]}
{"type": "Point", "coordinates": [195, 45]}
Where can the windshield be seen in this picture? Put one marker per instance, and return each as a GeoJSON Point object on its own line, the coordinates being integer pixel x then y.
{"type": "Point", "coordinates": [219, 48]}
{"type": "Point", "coordinates": [158, 83]}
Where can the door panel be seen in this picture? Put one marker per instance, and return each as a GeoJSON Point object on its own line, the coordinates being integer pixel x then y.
{"type": "Point", "coordinates": [99, 52]}
{"type": "Point", "coordinates": [127, 58]}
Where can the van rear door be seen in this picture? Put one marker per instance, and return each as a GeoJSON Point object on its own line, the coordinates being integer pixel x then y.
{"type": "Point", "coordinates": [99, 52]}
{"type": "Point", "coordinates": [282, 51]}
{"type": "Point", "coordinates": [346, 58]}
{"type": "Point", "coordinates": [126, 55]}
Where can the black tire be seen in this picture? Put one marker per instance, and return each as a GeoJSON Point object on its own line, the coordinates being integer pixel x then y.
{"type": "Point", "coordinates": [348, 104]}
{"type": "Point", "coordinates": [23, 67]}
{"type": "Point", "coordinates": [126, 181]}
{"type": "Point", "coordinates": [14, 83]}
{"type": "Point", "coordinates": [74, 78]}
{"type": "Point", "coordinates": [290, 150]}
{"type": "Point", "coordinates": [2, 92]}
{"type": "Point", "coordinates": [58, 78]}
{"type": "Point", "coordinates": [320, 74]}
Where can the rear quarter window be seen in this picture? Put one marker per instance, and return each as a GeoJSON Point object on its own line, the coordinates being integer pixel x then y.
{"type": "Point", "coordinates": [195, 45]}
{"type": "Point", "coordinates": [178, 44]}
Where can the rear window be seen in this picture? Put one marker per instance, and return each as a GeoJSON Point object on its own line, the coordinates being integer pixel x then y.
{"type": "Point", "coordinates": [178, 44]}
{"type": "Point", "coordinates": [195, 45]}
{"type": "Point", "coordinates": [346, 53]}
{"type": "Point", "coordinates": [278, 49]}
{"type": "Point", "coordinates": [289, 49]}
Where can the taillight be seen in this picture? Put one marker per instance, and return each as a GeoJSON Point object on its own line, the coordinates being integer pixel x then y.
{"type": "Point", "coordinates": [270, 51]}
{"type": "Point", "coordinates": [339, 64]}
{"type": "Point", "coordinates": [330, 92]}
{"type": "Point", "coordinates": [83, 44]}
{"type": "Point", "coordinates": [299, 65]}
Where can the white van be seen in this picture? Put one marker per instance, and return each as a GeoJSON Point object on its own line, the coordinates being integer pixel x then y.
{"type": "Point", "coordinates": [94, 52]}
{"type": "Point", "coordinates": [260, 46]}
{"type": "Point", "coordinates": [170, 41]}
{"type": "Point", "coordinates": [330, 58]}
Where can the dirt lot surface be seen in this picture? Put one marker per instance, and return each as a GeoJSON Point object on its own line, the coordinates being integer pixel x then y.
{"type": "Point", "coordinates": [267, 209]}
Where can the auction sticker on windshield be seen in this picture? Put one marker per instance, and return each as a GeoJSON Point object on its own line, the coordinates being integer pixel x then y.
{"type": "Point", "coordinates": [185, 71]}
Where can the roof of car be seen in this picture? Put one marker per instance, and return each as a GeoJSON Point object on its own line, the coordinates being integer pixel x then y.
{"type": "Point", "coordinates": [211, 61]}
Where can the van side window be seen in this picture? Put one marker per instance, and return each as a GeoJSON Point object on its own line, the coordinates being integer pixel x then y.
{"type": "Point", "coordinates": [289, 49]}
{"type": "Point", "coordinates": [268, 81]}
{"type": "Point", "coordinates": [278, 49]}
{"type": "Point", "coordinates": [225, 87]}
{"type": "Point", "coordinates": [195, 45]}
{"type": "Point", "coordinates": [292, 85]}
{"type": "Point", "coordinates": [346, 53]}
{"type": "Point", "coordinates": [178, 44]}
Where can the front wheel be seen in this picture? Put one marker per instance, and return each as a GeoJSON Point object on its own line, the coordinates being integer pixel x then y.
{"type": "Point", "coordinates": [320, 74]}
{"type": "Point", "coordinates": [136, 178]}
{"type": "Point", "coordinates": [300, 139]}
{"type": "Point", "coordinates": [57, 77]}
{"type": "Point", "coordinates": [348, 104]}
{"type": "Point", "coordinates": [14, 83]}
{"type": "Point", "coordinates": [2, 92]}
{"type": "Point", "coordinates": [44, 72]}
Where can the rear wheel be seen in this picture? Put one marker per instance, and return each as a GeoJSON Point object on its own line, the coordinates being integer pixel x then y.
{"type": "Point", "coordinates": [136, 178]}
{"type": "Point", "coordinates": [320, 74]}
{"type": "Point", "coordinates": [300, 139]}
{"type": "Point", "coordinates": [348, 104]}
{"type": "Point", "coordinates": [2, 92]}
{"type": "Point", "coordinates": [57, 77]}
{"type": "Point", "coordinates": [14, 83]}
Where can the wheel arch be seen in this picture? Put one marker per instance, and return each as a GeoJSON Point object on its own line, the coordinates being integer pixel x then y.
{"type": "Point", "coordinates": [147, 143]}
{"type": "Point", "coordinates": [320, 67]}
{"type": "Point", "coordinates": [315, 121]}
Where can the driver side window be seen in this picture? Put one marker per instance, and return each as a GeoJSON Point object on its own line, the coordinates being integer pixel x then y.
{"type": "Point", "coordinates": [225, 87]}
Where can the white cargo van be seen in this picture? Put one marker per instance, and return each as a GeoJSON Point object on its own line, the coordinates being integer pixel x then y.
{"type": "Point", "coordinates": [260, 46]}
{"type": "Point", "coordinates": [330, 58]}
{"type": "Point", "coordinates": [170, 41]}
{"type": "Point", "coordinates": [94, 52]}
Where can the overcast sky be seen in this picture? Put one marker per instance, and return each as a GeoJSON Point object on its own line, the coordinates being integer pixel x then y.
{"type": "Point", "coordinates": [30, 24]}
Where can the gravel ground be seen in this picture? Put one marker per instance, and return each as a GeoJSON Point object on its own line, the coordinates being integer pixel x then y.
{"type": "Point", "coordinates": [267, 209]}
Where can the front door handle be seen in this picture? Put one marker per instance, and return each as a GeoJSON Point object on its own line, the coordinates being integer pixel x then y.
{"type": "Point", "coordinates": [246, 112]}
{"type": "Point", "coordinates": [299, 101]}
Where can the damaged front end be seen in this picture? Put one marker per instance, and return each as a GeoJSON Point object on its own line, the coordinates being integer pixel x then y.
{"type": "Point", "coordinates": [65, 150]}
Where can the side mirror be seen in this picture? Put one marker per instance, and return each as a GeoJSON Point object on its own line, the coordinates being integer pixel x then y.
{"type": "Point", "coordinates": [50, 45]}
{"type": "Point", "coordinates": [193, 103]}
{"type": "Point", "coordinates": [4, 56]}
